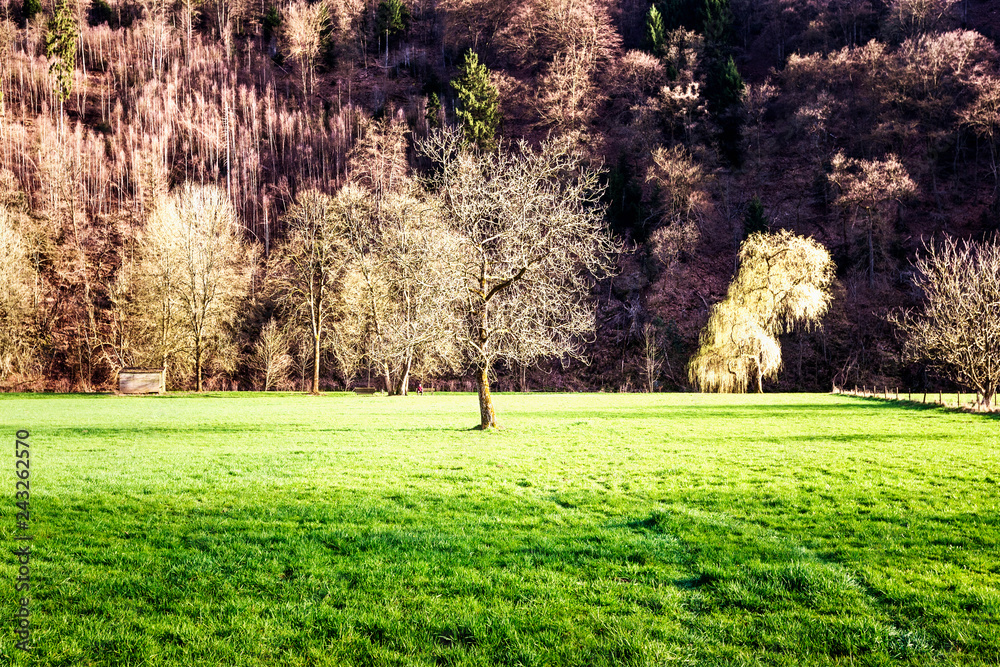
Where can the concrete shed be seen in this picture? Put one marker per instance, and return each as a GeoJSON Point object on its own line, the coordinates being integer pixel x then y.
{"type": "Point", "coordinates": [142, 380]}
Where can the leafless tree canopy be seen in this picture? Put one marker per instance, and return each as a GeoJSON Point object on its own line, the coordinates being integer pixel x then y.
{"type": "Point", "coordinates": [19, 300]}
{"type": "Point", "coordinates": [530, 236]}
{"type": "Point", "coordinates": [409, 297]}
{"type": "Point", "coordinates": [957, 331]}
{"type": "Point", "coordinates": [180, 295]}
{"type": "Point", "coordinates": [309, 267]}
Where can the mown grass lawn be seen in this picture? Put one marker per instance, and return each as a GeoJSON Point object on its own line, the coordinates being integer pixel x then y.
{"type": "Point", "coordinates": [594, 530]}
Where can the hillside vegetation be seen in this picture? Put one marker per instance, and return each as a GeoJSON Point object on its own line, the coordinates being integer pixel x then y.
{"type": "Point", "coordinates": [868, 125]}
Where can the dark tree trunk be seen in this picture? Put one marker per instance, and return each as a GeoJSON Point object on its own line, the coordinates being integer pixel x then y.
{"type": "Point", "coordinates": [487, 415]}
{"type": "Point", "coordinates": [871, 252]}
{"type": "Point", "coordinates": [197, 364]}
{"type": "Point", "coordinates": [402, 388]}
{"type": "Point", "coordinates": [315, 379]}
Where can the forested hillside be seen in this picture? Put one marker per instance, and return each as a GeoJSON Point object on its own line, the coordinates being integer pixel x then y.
{"type": "Point", "coordinates": [127, 129]}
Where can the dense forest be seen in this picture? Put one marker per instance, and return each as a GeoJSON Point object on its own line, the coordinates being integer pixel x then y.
{"type": "Point", "coordinates": [868, 125]}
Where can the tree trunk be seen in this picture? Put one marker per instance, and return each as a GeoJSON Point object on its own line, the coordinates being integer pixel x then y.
{"type": "Point", "coordinates": [488, 417]}
{"type": "Point", "coordinates": [403, 387]}
{"type": "Point", "coordinates": [197, 364]}
{"type": "Point", "coordinates": [315, 380]}
{"type": "Point", "coordinates": [760, 381]}
{"type": "Point", "coordinates": [871, 254]}
{"type": "Point", "coordinates": [387, 378]}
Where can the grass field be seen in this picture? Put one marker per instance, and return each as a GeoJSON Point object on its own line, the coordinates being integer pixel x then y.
{"type": "Point", "coordinates": [593, 530]}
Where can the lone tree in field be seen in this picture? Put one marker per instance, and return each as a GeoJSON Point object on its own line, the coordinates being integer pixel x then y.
{"type": "Point", "coordinates": [783, 280]}
{"type": "Point", "coordinates": [311, 264]}
{"type": "Point", "coordinates": [957, 332]}
{"type": "Point", "coordinates": [530, 234]}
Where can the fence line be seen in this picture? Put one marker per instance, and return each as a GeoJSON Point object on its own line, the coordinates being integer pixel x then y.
{"type": "Point", "coordinates": [885, 393]}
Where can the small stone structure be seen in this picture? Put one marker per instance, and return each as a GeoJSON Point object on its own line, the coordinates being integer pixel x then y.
{"type": "Point", "coordinates": [142, 380]}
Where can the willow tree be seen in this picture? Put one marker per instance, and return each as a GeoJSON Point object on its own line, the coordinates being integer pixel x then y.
{"type": "Point", "coordinates": [529, 237]}
{"type": "Point", "coordinates": [783, 281]}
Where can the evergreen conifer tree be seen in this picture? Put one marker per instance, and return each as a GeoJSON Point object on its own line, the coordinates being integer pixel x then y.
{"type": "Point", "coordinates": [755, 219]}
{"type": "Point", "coordinates": [60, 45]}
{"type": "Point", "coordinates": [479, 111]}
{"type": "Point", "coordinates": [718, 25]}
{"type": "Point", "coordinates": [724, 94]}
{"type": "Point", "coordinates": [392, 20]}
{"type": "Point", "coordinates": [29, 9]}
{"type": "Point", "coordinates": [656, 34]}
{"type": "Point", "coordinates": [680, 13]}
{"type": "Point", "coordinates": [433, 111]}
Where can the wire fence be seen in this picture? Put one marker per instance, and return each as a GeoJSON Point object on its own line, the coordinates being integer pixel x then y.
{"type": "Point", "coordinates": [963, 401]}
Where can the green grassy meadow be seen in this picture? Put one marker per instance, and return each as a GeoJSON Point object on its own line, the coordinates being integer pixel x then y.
{"type": "Point", "coordinates": [595, 529]}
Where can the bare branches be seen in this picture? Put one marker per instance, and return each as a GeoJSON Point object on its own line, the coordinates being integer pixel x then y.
{"type": "Point", "coordinates": [311, 263]}
{"type": "Point", "coordinates": [957, 331]}
{"type": "Point", "coordinates": [303, 30]}
{"type": "Point", "coordinates": [530, 236]}
{"type": "Point", "coordinates": [870, 186]}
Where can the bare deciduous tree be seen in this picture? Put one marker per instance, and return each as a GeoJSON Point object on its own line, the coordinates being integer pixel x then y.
{"type": "Point", "coordinates": [567, 98]}
{"type": "Point", "coordinates": [378, 160]}
{"type": "Point", "coordinates": [652, 361]}
{"type": "Point", "coordinates": [312, 262]}
{"type": "Point", "coordinates": [402, 254]}
{"type": "Point", "coordinates": [18, 300]}
{"type": "Point", "coordinates": [957, 331]}
{"type": "Point", "coordinates": [983, 117]}
{"type": "Point", "coordinates": [870, 186]}
{"type": "Point", "coordinates": [911, 17]}
{"type": "Point", "coordinates": [201, 270]}
{"type": "Point", "coordinates": [270, 356]}
{"type": "Point", "coordinates": [303, 30]}
{"type": "Point", "coordinates": [783, 280]}
{"type": "Point", "coordinates": [530, 235]}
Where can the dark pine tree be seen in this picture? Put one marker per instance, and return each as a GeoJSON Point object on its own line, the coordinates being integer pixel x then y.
{"type": "Point", "coordinates": [724, 94]}
{"type": "Point", "coordinates": [60, 46]}
{"type": "Point", "coordinates": [392, 22]}
{"type": "Point", "coordinates": [30, 9]}
{"type": "Point", "coordinates": [755, 219]}
{"type": "Point", "coordinates": [433, 111]}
